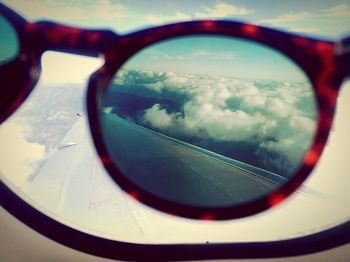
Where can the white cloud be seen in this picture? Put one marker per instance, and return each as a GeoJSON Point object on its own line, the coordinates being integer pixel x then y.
{"type": "Point", "coordinates": [289, 154]}
{"type": "Point", "coordinates": [222, 10]}
{"type": "Point", "coordinates": [157, 117]}
{"type": "Point", "coordinates": [69, 11]}
{"type": "Point", "coordinates": [220, 123]}
{"type": "Point", "coordinates": [201, 52]}
{"type": "Point", "coordinates": [254, 101]}
{"type": "Point", "coordinates": [224, 55]}
{"type": "Point", "coordinates": [291, 17]}
{"type": "Point", "coordinates": [18, 157]}
{"type": "Point", "coordinates": [329, 22]}
{"type": "Point", "coordinates": [339, 10]}
{"type": "Point", "coordinates": [233, 110]}
{"type": "Point", "coordinates": [310, 29]}
{"type": "Point", "coordinates": [107, 9]}
{"type": "Point", "coordinates": [206, 110]}
{"type": "Point", "coordinates": [301, 122]}
{"type": "Point", "coordinates": [278, 107]}
{"type": "Point", "coordinates": [108, 110]}
{"type": "Point", "coordinates": [160, 19]}
{"type": "Point", "coordinates": [156, 55]}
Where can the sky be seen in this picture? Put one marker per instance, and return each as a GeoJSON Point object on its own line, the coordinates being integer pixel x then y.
{"type": "Point", "coordinates": [317, 17]}
{"type": "Point", "coordinates": [217, 56]}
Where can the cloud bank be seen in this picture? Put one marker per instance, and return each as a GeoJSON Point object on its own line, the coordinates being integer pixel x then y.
{"type": "Point", "coordinates": [19, 158]}
{"type": "Point", "coordinates": [266, 123]}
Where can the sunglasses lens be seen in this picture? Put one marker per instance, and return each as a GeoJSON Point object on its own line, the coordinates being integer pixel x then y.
{"type": "Point", "coordinates": [9, 44]}
{"type": "Point", "coordinates": [208, 121]}
{"type": "Point", "coordinates": [16, 76]}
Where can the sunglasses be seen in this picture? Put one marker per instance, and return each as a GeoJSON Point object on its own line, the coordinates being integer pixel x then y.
{"type": "Point", "coordinates": [206, 119]}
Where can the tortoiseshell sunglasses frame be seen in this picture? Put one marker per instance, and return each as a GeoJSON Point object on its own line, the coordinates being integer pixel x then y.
{"type": "Point", "coordinates": [319, 59]}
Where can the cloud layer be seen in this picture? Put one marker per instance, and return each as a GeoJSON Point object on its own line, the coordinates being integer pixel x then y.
{"type": "Point", "coordinates": [18, 157]}
{"type": "Point", "coordinates": [268, 123]}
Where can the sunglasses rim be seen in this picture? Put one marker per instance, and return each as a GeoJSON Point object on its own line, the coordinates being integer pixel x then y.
{"type": "Point", "coordinates": [99, 81]}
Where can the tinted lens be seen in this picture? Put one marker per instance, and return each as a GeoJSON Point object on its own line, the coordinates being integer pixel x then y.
{"type": "Point", "coordinates": [9, 46]}
{"type": "Point", "coordinates": [208, 120]}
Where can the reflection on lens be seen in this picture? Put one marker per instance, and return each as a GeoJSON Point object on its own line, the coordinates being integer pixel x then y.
{"type": "Point", "coordinates": [9, 46]}
{"type": "Point", "coordinates": [208, 120]}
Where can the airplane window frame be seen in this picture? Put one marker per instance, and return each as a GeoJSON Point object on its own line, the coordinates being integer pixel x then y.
{"type": "Point", "coordinates": [324, 240]}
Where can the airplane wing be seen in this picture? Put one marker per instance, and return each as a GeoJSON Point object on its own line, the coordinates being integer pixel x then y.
{"type": "Point", "coordinates": [177, 170]}
{"type": "Point", "coordinates": [72, 183]}
{"type": "Point", "coordinates": [73, 187]}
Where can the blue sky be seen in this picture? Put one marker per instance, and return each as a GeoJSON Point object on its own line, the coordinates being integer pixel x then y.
{"type": "Point", "coordinates": [216, 56]}
{"type": "Point", "coordinates": [317, 17]}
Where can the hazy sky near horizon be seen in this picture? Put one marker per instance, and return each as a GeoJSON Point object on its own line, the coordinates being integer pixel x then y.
{"type": "Point", "coordinates": [217, 56]}
{"type": "Point", "coordinates": [316, 17]}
